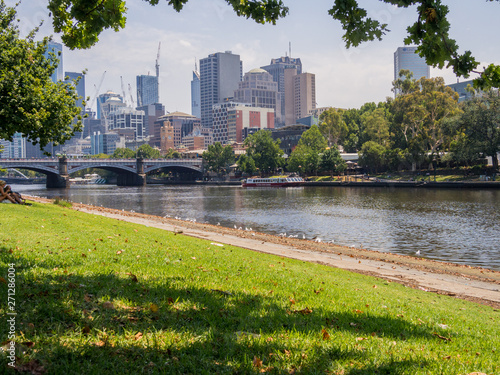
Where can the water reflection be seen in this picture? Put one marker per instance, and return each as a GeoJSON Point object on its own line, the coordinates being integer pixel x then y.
{"type": "Point", "coordinates": [459, 226]}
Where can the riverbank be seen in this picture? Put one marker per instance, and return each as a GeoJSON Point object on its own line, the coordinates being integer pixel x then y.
{"type": "Point", "coordinates": [471, 283]}
{"type": "Point", "coordinates": [94, 293]}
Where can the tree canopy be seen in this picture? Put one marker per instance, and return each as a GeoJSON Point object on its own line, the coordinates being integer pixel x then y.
{"type": "Point", "coordinates": [264, 151]}
{"type": "Point", "coordinates": [82, 21]}
{"type": "Point", "coordinates": [30, 103]}
{"type": "Point", "coordinates": [218, 158]}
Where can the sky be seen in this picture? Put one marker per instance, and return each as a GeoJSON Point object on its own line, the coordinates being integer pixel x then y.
{"type": "Point", "coordinates": [345, 78]}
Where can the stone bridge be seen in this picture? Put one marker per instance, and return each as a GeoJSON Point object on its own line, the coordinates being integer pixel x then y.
{"type": "Point", "coordinates": [131, 172]}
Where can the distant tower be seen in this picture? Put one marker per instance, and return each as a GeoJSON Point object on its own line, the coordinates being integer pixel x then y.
{"type": "Point", "coordinates": [195, 93]}
{"type": "Point", "coordinates": [277, 70]}
{"type": "Point", "coordinates": [80, 87]}
{"type": "Point", "coordinates": [408, 58]}
{"type": "Point", "coordinates": [56, 49]}
{"type": "Point", "coordinates": [219, 76]}
{"type": "Point", "coordinates": [103, 98]}
{"type": "Point", "coordinates": [147, 90]}
{"type": "Point", "coordinates": [259, 90]}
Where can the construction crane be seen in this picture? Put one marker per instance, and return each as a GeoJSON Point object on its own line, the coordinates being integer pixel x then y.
{"type": "Point", "coordinates": [131, 96]}
{"type": "Point", "coordinates": [157, 65]}
{"type": "Point", "coordinates": [97, 88]}
{"type": "Point", "coordinates": [123, 91]}
{"type": "Point", "coordinates": [96, 94]}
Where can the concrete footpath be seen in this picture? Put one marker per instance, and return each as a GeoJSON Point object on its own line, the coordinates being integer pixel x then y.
{"type": "Point", "coordinates": [471, 283]}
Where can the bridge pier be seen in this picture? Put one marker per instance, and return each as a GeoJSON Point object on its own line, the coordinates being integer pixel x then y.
{"type": "Point", "coordinates": [131, 179]}
{"type": "Point", "coordinates": [57, 181]}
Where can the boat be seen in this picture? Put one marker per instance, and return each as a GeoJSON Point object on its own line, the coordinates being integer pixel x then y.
{"type": "Point", "coordinates": [88, 179]}
{"type": "Point", "coordinates": [273, 182]}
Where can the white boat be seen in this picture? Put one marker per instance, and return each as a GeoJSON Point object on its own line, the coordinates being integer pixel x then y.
{"type": "Point", "coordinates": [273, 182]}
{"type": "Point", "coordinates": [88, 179]}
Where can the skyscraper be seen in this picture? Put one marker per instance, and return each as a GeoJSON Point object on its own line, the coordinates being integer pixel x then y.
{"type": "Point", "coordinates": [80, 87]}
{"type": "Point", "coordinates": [304, 94]}
{"type": "Point", "coordinates": [408, 58]}
{"type": "Point", "coordinates": [277, 70]}
{"type": "Point", "coordinates": [195, 94]}
{"type": "Point", "coordinates": [219, 76]}
{"type": "Point", "coordinates": [147, 90]}
{"type": "Point", "coordinates": [56, 49]}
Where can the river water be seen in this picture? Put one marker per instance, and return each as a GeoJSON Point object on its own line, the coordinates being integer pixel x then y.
{"type": "Point", "coordinates": [459, 226]}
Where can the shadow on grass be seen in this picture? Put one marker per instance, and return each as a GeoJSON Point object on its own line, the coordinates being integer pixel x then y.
{"type": "Point", "coordinates": [121, 323]}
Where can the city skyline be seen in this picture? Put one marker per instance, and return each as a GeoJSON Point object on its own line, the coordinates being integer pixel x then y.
{"type": "Point", "coordinates": [344, 78]}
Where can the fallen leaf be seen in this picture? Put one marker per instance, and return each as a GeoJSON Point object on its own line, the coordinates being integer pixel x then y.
{"type": "Point", "coordinates": [154, 308]}
{"type": "Point", "coordinates": [87, 297]}
{"type": "Point", "coordinates": [305, 311]}
{"type": "Point", "coordinates": [360, 338]}
{"type": "Point", "coordinates": [100, 343]}
{"type": "Point", "coordinates": [442, 337]}
{"type": "Point", "coordinates": [28, 344]}
{"type": "Point", "coordinates": [132, 277]}
{"type": "Point", "coordinates": [108, 305]}
{"type": "Point", "coordinates": [138, 335]}
{"type": "Point", "coordinates": [326, 335]}
{"type": "Point", "coordinates": [119, 252]}
{"type": "Point", "coordinates": [257, 362]}
{"type": "Point", "coordinates": [2, 280]}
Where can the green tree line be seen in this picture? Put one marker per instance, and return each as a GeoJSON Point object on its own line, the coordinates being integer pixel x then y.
{"type": "Point", "coordinates": [425, 124]}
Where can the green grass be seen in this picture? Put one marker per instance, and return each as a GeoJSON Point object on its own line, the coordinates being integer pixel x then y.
{"type": "Point", "coordinates": [100, 296]}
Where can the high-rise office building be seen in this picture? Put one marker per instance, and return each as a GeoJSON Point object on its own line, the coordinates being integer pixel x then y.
{"type": "Point", "coordinates": [259, 90]}
{"type": "Point", "coordinates": [304, 94]}
{"type": "Point", "coordinates": [407, 58]}
{"type": "Point", "coordinates": [56, 49]}
{"type": "Point", "coordinates": [69, 77]}
{"type": "Point", "coordinates": [277, 69]}
{"type": "Point", "coordinates": [195, 95]}
{"type": "Point", "coordinates": [219, 76]}
{"type": "Point", "coordinates": [147, 90]}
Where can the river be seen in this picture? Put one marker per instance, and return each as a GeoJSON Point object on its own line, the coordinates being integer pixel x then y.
{"type": "Point", "coordinates": [459, 226]}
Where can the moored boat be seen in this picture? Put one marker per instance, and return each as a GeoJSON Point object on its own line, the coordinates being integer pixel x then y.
{"type": "Point", "coordinates": [273, 182]}
{"type": "Point", "coordinates": [88, 179]}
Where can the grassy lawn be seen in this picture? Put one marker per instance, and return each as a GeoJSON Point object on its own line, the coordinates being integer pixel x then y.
{"type": "Point", "coordinates": [100, 296]}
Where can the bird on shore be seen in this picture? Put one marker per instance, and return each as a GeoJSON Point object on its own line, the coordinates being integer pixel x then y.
{"type": "Point", "coordinates": [418, 252]}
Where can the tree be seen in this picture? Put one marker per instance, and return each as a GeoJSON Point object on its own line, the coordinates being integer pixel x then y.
{"type": "Point", "coordinates": [218, 158]}
{"type": "Point", "coordinates": [376, 126]}
{"type": "Point", "coordinates": [172, 154]}
{"type": "Point", "coordinates": [123, 153]}
{"type": "Point", "coordinates": [246, 164]}
{"type": "Point", "coordinates": [264, 151]}
{"type": "Point", "coordinates": [330, 160]}
{"type": "Point", "coordinates": [306, 156]}
{"type": "Point", "coordinates": [420, 112]}
{"type": "Point", "coordinates": [145, 151]}
{"type": "Point", "coordinates": [30, 103]}
{"type": "Point", "coordinates": [332, 125]}
{"type": "Point", "coordinates": [82, 21]}
{"type": "Point", "coordinates": [372, 156]}
{"type": "Point", "coordinates": [430, 33]}
{"type": "Point", "coordinates": [480, 126]}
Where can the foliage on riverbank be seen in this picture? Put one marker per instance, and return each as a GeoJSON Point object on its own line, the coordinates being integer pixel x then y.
{"type": "Point", "coordinates": [96, 295]}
